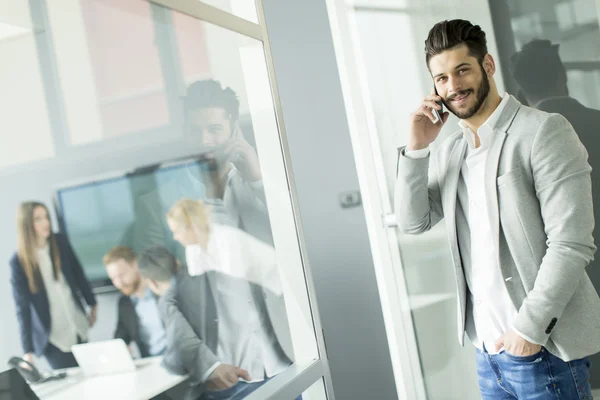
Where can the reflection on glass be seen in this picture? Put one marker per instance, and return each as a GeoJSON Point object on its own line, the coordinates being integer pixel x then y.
{"type": "Point", "coordinates": [47, 280]}
{"type": "Point", "coordinates": [138, 318]}
{"type": "Point", "coordinates": [180, 109]}
{"type": "Point", "coordinates": [573, 26]}
{"type": "Point", "coordinates": [22, 93]}
{"type": "Point", "coordinates": [557, 70]}
{"type": "Point", "coordinates": [224, 327]}
{"type": "Point", "coordinates": [130, 95]}
{"type": "Point", "coordinates": [216, 247]}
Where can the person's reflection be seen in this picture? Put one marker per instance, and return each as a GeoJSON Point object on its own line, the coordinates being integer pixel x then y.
{"type": "Point", "coordinates": [138, 319]}
{"type": "Point", "coordinates": [48, 282]}
{"type": "Point", "coordinates": [540, 73]}
{"type": "Point", "coordinates": [221, 330]}
{"type": "Point", "coordinates": [211, 246]}
{"type": "Point", "coordinates": [229, 173]}
{"type": "Point", "coordinates": [234, 186]}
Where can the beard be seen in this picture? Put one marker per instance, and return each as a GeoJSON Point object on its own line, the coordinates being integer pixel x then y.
{"type": "Point", "coordinates": [480, 95]}
{"type": "Point", "coordinates": [128, 290]}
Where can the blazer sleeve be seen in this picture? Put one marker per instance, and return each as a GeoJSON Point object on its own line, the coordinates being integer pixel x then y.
{"type": "Point", "coordinates": [562, 181]}
{"type": "Point", "coordinates": [22, 299]}
{"type": "Point", "coordinates": [80, 278]}
{"type": "Point", "coordinates": [149, 227]}
{"type": "Point", "coordinates": [121, 331]}
{"type": "Point", "coordinates": [186, 352]}
{"type": "Point", "coordinates": [417, 198]}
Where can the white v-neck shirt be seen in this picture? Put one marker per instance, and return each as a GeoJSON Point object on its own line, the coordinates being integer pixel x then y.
{"type": "Point", "coordinates": [493, 310]}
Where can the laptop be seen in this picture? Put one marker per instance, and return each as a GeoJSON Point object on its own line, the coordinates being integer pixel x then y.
{"type": "Point", "coordinates": [103, 358]}
{"type": "Point", "coordinates": [14, 387]}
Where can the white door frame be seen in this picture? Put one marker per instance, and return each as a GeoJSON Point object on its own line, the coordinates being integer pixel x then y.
{"type": "Point", "coordinates": [378, 209]}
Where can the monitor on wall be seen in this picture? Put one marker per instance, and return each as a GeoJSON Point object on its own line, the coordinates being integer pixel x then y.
{"type": "Point", "coordinates": [126, 209]}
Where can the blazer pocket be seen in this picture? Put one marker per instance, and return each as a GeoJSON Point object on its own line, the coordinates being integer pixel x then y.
{"type": "Point", "coordinates": [509, 176]}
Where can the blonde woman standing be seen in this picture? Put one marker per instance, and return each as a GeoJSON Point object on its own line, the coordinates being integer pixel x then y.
{"type": "Point", "coordinates": [211, 246]}
{"type": "Point", "coordinates": [47, 281]}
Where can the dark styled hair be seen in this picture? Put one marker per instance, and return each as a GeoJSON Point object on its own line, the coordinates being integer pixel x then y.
{"type": "Point", "coordinates": [537, 68]}
{"type": "Point", "coordinates": [157, 263]}
{"type": "Point", "coordinates": [209, 93]}
{"type": "Point", "coordinates": [446, 35]}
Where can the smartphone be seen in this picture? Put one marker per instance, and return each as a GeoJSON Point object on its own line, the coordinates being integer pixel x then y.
{"type": "Point", "coordinates": [437, 113]}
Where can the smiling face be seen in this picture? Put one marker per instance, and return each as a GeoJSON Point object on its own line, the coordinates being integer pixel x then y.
{"type": "Point", "coordinates": [211, 127]}
{"type": "Point", "coordinates": [461, 81]}
{"type": "Point", "coordinates": [124, 275]}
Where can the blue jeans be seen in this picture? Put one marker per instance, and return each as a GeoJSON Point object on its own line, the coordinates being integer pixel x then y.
{"type": "Point", "coordinates": [237, 391]}
{"type": "Point", "coordinates": [541, 376]}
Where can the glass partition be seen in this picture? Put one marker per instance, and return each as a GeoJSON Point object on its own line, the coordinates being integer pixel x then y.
{"type": "Point", "coordinates": [151, 138]}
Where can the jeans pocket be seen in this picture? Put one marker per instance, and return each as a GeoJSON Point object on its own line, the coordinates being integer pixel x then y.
{"type": "Point", "coordinates": [525, 359]}
{"type": "Point", "coordinates": [580, 370]}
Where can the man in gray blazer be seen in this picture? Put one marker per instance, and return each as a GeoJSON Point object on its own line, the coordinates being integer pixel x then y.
{"type": "Point", "coordinates": [230, 335]}
{"type": "Point", "coordinates": [513, 184]}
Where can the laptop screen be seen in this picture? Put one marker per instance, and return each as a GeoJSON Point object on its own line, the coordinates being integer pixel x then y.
{"type": "Point", "coordinates": [14, 387]}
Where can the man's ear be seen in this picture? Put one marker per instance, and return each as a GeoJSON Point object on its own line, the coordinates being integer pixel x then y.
{"type": "Point", "coordinates": [489, 65]}
{"type": "Point", "coordinates": [235, 128]}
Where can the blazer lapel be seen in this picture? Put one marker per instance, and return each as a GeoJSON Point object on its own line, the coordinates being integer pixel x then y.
{"type": "Point", "coordinates": [455, 161]}
{"type": "Point", "coordinates": [491, 166]}
{"type": "Point", "coordinates": [132, 319]}
{"type": "Point", "coordinates": [212, 317]}
{"type": "Point", "coordinates": [491, 190]}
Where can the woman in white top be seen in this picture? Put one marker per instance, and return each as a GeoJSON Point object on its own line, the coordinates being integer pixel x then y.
{"type": "Point", "coordinates": [210, 246]}
{"type": "Point", "coordinates": [48, 282]}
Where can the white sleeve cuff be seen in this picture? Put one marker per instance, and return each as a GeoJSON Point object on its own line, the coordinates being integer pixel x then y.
{"type": "Point", "coordinates": [525, 337]}
{"type": "Point", "coordinates": [417, 154]}
{"type": "Point", "coordinates": [208, 373]}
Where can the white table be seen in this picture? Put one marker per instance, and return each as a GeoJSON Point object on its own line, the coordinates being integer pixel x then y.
{"type": "Point", "coordinates": [146, 382]}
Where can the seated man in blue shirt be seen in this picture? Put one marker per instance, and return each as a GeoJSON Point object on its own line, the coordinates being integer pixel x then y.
{"type": "Point", "coordinates": [138, 317]}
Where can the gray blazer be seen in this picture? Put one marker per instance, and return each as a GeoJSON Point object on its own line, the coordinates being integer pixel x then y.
{"type": "Point", "coordinates": [540, 202]}
{"type": "Point", "coordinates": [189, 313]}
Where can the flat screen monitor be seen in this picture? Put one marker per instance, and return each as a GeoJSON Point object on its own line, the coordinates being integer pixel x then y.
{"type": "Point", "coordinates": [104, 212]}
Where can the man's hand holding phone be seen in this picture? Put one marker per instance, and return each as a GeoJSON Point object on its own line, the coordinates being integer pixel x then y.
{"type": "Point", "coordinates": [424, 125]}
{"type": "Point", "coordinates": [243, 156]}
